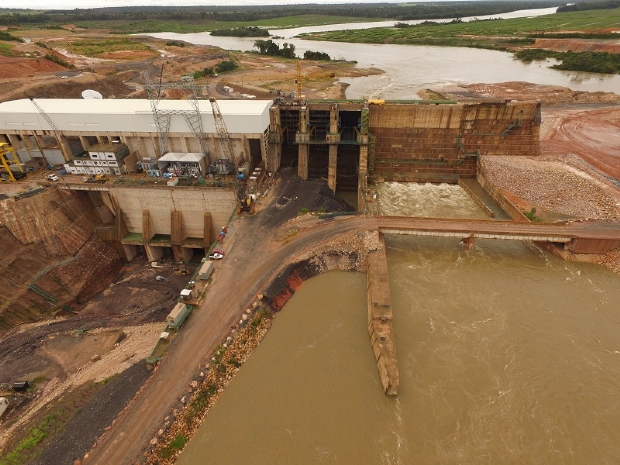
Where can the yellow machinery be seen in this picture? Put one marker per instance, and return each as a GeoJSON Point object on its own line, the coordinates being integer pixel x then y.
{"type": "Point", "coordinates": [8, 158]}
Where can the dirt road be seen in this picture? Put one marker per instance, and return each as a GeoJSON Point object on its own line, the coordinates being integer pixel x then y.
{"type": "Point", "coordinates": [254, 259]}
{"type": "Point", "coordinates": [593, 135]}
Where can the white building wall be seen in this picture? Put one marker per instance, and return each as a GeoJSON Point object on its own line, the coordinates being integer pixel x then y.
{"type": "Point", "coordinates": [127, 115]}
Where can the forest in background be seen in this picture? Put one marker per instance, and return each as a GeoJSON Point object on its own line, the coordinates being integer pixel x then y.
{"type": "Point", "coordinates": [402, 11]}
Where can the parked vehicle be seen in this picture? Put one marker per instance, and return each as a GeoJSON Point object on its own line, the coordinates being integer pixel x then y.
{"type": "Point", "coordinates": [52, 177]}
{"type": "Point", "coordinates": [17, 175]}
{"type": "Point", "coordinates": [99, 179]}
{"type": "Point", "coordinates": [216, 254]}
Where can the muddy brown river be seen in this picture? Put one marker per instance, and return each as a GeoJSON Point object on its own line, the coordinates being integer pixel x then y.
{"type": "Point", "coordinates": [408, 69]}
{"type": "Point", "coordinates": [506, 355]}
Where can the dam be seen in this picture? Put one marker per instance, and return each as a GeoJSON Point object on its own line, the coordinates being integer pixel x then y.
{"type": "Point", "coordinates": [351, 144]}
{"type": "Point", "coordinates": [159, 218]}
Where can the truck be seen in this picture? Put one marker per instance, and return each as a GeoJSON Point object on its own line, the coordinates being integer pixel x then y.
{"type": "Point", "coordinates": [97, 179]}
{"type": "Point", "coordinates": [178, 315]}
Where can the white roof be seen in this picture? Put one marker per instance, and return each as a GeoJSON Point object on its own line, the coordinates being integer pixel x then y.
{"type": "Point", "coordinates": [130, 115]}
{"type": "Point", "coordinates": [130, 106]}
{"type": "Point", "coordinates": [184, 157]}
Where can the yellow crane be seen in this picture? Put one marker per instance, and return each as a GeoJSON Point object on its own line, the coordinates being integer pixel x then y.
{"type": "Point", "coordinates": [9, 158]}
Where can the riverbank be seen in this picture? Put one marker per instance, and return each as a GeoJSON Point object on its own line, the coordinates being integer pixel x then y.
{"type": "Point", "coordinates": [346, 253]}
{"type": "Point", "coordinates": [208, 385]}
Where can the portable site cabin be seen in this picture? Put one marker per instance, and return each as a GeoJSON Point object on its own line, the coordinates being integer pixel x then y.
{"type": "Point", "coordinates": [205, 270]}
{"type": "Point", "coordinates": [178, 315]}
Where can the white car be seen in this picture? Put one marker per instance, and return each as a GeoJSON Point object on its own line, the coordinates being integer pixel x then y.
{"type": "Point", "coordinates": [216, 255]}
{"type": "Point", "coordinates": [52, 177]}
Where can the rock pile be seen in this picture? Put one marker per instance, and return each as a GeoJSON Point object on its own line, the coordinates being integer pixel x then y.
{"type": "Point", "coordinates": [557, 185]}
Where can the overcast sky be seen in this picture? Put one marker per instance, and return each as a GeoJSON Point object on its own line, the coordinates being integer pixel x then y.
{"type": "Point", "coordinates": [70, 4]}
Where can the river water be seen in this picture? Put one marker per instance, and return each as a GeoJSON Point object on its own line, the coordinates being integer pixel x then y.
{"type": "Point", "coordinates": [506, 355]}
{"type": "Point", "coordinates": [408, 69]}
{"type": "Point", "coordinates": [427, 200]}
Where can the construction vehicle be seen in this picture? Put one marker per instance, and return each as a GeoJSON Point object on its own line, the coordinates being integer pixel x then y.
{"type": "Point", "coordinates": [97, 179]}
{"type": "Point", "coordinates": [8, 160]}
{"type": "Point", "coordinates": [246, 202]}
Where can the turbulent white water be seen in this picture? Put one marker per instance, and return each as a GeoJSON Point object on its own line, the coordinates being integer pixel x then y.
{"type": "Point", "coordinates": [428, 200]}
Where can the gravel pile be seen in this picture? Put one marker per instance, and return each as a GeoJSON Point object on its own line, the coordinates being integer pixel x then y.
{"type": "Point", "coordinates": [554, 185]}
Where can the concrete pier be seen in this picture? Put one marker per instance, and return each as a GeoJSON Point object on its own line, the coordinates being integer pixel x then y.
{"type": "Point", "coordinates": [380, 316]}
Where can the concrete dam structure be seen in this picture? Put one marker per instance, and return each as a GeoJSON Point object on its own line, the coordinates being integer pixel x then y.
{"type": "Point", "coordinates": [348, 143]}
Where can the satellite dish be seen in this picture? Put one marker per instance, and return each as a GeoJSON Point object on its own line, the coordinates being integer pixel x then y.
{"type": "Point", "coordinates": [88, 93]}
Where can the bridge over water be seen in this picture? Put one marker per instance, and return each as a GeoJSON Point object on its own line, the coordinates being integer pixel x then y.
{"type": "Point", "coordinates": [577, 237]}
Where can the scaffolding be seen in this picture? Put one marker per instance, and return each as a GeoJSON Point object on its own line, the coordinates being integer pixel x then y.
{"type": "Point", "coordinates": [163, 117]}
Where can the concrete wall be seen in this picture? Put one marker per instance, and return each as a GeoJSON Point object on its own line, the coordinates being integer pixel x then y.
{"type": "Point", "coordinates": [380, 317]}
{"type": "Point", "coordinates": [191, 202]}
{"type": "Point", "coordinates": [428, 141]}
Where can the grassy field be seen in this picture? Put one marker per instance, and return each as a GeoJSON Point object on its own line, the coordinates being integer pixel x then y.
{"type": "Point", "coordinates": [482, 34]}
{"type": "Point", "coordinates": [95, 47]}
{"type": "Point", "coordinates": [6, 49]}
{"type": "Point", "coordinates": [133, 27]}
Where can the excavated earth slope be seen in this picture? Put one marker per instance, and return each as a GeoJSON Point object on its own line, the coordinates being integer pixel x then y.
{"type": "Point", "coordinates": [47, 241]}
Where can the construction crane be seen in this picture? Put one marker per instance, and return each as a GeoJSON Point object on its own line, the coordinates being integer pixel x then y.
{"type": "Point", "coordinates": [9, 158]}
{"type": "Point", "coordinates": [163, 117]}
{"type": "Point", "coordinates": [58, 135]}
{"type": "Point", "coordinates": [220, 127]}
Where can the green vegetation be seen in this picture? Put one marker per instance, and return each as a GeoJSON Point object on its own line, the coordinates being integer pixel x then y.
{"type": "Point", "coordinates": [42, 45]}
{"type": "Point", "coordinates": [310, 55]}
{"type": "Point", "coordinates": [592, 62]}
{"type": "Point", "coordinates": [269, 47]}
{"type": "Point", "coordinates": [574, 35]}
{"type": "Point", "coordinates": [221, 67]}
{"type": "Point", "coordinates": [59, 61]}
{"type": "Point", "coordinates": [203, 73]}
{"type": "Point", "coordinates": [175, 43]}
{"type": "Point", "coordinates": [303, 211]}
{"type": "Point", "coordinates": [6, 50]}
{"type": "Point", "coordinates": [242, 31]}
{"type": "Point", "coordinates": [93, 48]}
{"type": "Point", "coordinates": [226, 65]}
{"type": "Point", "coordinates": [208, 18]}
{"type": "Point", "coordinates": [24, 449]}
{"type": "Point", "coordinates": [34, 384]}
{"type": "Point", "coordinates": [531, 215]}
{"type": "Point", "coordinates": [175, 445]}
{"type": "Point", "coordinates": [200, 402]}
{"type": "Point", "coordinates": [27, 444]}
{"type": "Point", "coordinates": [9, 37]}
{"type": "Point", "coordinates": [589, 6]}
{"type": "Point", "coordinates": [491, 34]}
